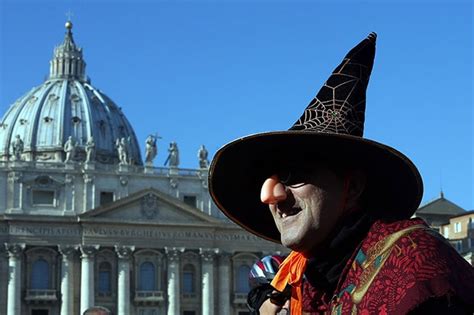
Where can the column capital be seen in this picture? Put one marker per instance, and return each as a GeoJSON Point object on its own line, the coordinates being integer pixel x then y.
{"type": "Point", "coordinates": [224, 257]}
{"type": "Point", "coordinates": [208, 254]}
{"type": "Point", "coordinates": [89, 250]}
{"type": "Point", "coordinates": [14, 250]}
{"type": "Point", "coordinates": [14, 177]}
{"type": "Point", "coordinates": [88, 178]}
{"type": "Point", "coordinates": [69, 179]}
{"type": "Point", "coordinates": [68, 251]}
{"type": "Point", "coordinates": [174, 253]}
{"type": "Point", "coordinates": [124, 252]}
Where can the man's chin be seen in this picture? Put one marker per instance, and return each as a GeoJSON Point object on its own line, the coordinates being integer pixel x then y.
{"type": "Point", "coordinates": [300, 246]}
{"type": "Point", "coordinates": [294, 244]}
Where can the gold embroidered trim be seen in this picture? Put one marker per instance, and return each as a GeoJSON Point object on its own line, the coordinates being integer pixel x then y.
{"type": "Point", "coordinates": [381, 249]}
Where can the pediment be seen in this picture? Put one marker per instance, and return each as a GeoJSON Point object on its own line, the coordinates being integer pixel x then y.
{"type": "Point", "coordinates": [149, 206]}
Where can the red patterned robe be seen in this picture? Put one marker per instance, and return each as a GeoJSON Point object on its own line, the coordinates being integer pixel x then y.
{"type": "Point", "coordinates": [398, 267]}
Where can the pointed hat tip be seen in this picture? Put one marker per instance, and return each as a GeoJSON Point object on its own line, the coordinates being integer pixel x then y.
{"type": "Point", "coordinates": [372, 36]}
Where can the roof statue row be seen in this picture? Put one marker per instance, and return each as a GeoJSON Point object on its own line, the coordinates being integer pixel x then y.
{"type": "Point", "coordinates": [122, 146]}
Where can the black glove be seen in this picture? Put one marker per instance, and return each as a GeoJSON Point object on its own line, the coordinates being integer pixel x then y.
{"type": "Point", "coordinates": [257, 296]}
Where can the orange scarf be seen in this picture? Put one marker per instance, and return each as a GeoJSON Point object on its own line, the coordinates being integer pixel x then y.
{"type": "Point", "coordinates": [291, 272]}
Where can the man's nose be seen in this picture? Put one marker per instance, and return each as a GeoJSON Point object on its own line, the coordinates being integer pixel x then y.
{"type": "Point", "coordinates": [273, 191]}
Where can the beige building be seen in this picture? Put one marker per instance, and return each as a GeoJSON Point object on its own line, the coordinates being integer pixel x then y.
{"type": "Point", "coordinates": [438, 211]}
{"type": "Point", "coordinates": [460, 232]}
{"type": "Point", "coordinates": [84, 221]}
{"type": "Point", "coordinates": [453, 222]}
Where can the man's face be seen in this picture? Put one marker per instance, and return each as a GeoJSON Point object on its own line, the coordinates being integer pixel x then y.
{"type": "Point", "coordinates": [306, 205]}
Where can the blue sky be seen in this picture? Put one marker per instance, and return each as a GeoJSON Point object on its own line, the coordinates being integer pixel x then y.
{"type": "Point", "coordinates": [207, 72]}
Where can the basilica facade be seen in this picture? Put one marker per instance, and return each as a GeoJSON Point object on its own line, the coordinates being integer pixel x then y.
{"type": "Point", "coordinates": [84, 221]}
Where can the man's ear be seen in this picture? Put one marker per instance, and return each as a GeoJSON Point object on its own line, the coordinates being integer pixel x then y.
{"type": "Point", "coordinates": [357, 184]}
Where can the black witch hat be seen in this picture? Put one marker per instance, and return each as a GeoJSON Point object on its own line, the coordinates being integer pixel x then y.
{"type": "Point", "coordinates": [330, 129]}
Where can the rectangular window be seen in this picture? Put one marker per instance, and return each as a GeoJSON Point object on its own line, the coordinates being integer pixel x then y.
{"type": "Point", "coordinates": [188, 282]}
{"type": "Point", "coordinates": [457, 227]}
{"type": "Point", "coordinates": [106, 197]}
{"type": "Point", "coordinates": [104, 282]}
{"type": "Point", "coordinates": [458, 246]}
{"type": "Point", "coordinates": [148, 311]}
{"type": "Point", "coordinates": [190, 200]}
{"type": "Point", "coordinates": [446, 231]}
{"type": "Point", "coordinates": [43, 197]}
{"type": "Point", "coordinates": [189, 312]}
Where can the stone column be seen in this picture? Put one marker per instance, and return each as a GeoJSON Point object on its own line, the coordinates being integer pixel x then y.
{"type": "Point", "coordinates": [87, 276]}
{"type": "Point", "coordinates": [123, 297]}
{"type": "Point", "coordinates": [207, 259]}
{"type": "Point", "coordinates": [69, 193]}
{"type": "Point", "coordinates": [15, 252]}
{"type": "Point", "coordinates": [88, 201]}
{"type": "Point", "coordinates": [15, 191]}
{"type": "Point", "coordinates": [174, 291]}
{"type": "Point", "coordinates": [224, 283]}
{"type": "Point", "coordinates": [3, 279]}
{"type": "Point", "coordinates": [67, 276]}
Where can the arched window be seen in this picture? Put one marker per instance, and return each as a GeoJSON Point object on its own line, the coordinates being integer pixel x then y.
{"type": "Point", "coordinates": [188, 278]}
{"type": "Point", "coordinates": [40, 275]}
{"type": "Point", "coordinates": [105, 282]}
{"type": "Point", "coordinates": [243, 279]}
{"type": "Point", "coordinates": [147, 277]}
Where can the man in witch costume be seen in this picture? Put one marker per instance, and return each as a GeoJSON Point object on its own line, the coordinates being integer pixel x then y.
{"type": "Point", "coordinates": [342, 204]}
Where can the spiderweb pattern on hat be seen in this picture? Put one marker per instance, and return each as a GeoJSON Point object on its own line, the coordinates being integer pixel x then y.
{"type": "Point", "coordinates": [339, 107]}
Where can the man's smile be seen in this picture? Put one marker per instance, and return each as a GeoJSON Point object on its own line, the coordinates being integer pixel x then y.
{"type": "Point", "coordinates": [287, 212]}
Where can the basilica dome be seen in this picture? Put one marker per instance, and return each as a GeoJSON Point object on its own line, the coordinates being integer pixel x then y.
{"type": "Point", "coordinates": [66, 106]}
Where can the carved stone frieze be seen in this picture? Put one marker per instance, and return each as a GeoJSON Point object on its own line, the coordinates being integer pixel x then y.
{"type": "Point", "coordinates": [124, 180]}
{"type": "Point", "coordinates": [174, 182]}
{"type": "Point", "coordinates": [44, 156]}
{"type": "Point", "coordinates": [149, 206]}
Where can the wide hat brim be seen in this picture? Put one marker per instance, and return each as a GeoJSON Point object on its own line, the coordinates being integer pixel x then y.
{"type": "Point", "coordinates": [394, 185]}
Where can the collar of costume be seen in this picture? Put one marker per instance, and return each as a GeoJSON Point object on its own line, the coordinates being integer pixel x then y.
{"type": "Point", "coordinates": [327, 263]}
{"type": "Point", "coordinates": [324, 269]}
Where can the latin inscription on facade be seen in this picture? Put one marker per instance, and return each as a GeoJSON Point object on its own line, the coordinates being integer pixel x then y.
{"type": "Point", "coordinates": [124, 232]}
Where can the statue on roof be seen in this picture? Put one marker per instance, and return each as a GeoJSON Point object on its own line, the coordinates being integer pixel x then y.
{"type": "Point", "coordinates": [203, 157]}
{"type": "Point", "coordinates": [122, 146]}
{"type": "Point", "coordinates": [90, 149]}
{"type": "Point", "coordinates": [151, 149]}
{"type": "Point", "coordinates": [17, 148]}
{"type": "Point", "coordinates": [69, 149]}
{"type": "Point", "coordinates": [173, 155]}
